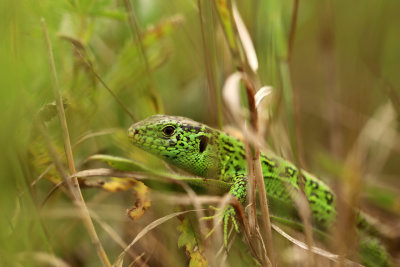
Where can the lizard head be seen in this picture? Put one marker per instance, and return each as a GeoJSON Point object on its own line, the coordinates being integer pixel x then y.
{"type": "Point", "coordinates": [179, 141]}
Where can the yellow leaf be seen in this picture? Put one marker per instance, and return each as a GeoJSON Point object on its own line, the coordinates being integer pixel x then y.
{"type": "Point", "coordinates": [143, 201]}
{"type": "Point", "coordinates": [119, 184]}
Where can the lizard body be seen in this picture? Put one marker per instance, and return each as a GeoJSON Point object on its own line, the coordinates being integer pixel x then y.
{"type": "Point", "coordinates": [209, 153]}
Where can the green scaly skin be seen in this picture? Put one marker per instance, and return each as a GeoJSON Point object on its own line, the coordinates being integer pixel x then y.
{"type": "Point", "coordinates": [209, 153]}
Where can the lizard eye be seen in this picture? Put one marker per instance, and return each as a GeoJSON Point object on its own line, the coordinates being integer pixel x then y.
{"type": "Point", "coordinates": [168, 130]}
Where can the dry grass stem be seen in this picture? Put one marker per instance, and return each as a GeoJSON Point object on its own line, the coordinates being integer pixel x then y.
{"type": "Point", "coordinates": [316, 115]}
{"type": "Point", "coordinates": [251, 196]}
{"type": "Point", "coordinates": [74, 186]}
{"type": "Point", "coordinates": [231, 96]}
{"type": "Point", "coordinates": [315, 250]}
{"type": "Point", "coordinates": [185, 200]}
{"type": "Point", "coordinates": [255, 164]}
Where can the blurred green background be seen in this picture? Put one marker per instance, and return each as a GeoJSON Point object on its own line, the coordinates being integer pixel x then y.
{"type": "Point", "coordinates": [344, 67]}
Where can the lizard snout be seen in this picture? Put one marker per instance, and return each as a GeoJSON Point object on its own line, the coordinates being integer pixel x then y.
{"type": "Point", "coordinates": [133, 131]}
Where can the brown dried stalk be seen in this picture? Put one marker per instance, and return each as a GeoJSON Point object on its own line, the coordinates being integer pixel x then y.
{"type": "Point", "coordinates": [72, 184]}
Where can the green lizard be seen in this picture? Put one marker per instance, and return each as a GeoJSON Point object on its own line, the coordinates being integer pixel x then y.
{"type": "Point", "coordinates": [209, 153]}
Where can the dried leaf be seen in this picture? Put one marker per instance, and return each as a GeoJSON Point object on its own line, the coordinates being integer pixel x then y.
{"type": "Point", "coordinates": [118, 184]}
{"type": "Point", "coordinates": [142, 192]}
{"type": "Point", "coordinates": [262, 93]}
{"type": "Point", "coordinates": [231, 95]}
{"type": "Point", "coordinates": [143, 201]}
{"type": "Point", "coordinates": [49, 111]}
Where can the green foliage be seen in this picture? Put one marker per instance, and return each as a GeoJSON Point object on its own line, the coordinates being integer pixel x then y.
{"type": "Point", "coordinates": [119, 163]}
{"type": "Point", "coordinates": [190, 241]}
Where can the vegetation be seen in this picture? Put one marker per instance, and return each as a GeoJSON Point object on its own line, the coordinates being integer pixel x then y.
{"type": "Point", "coordinates": [77, 73]}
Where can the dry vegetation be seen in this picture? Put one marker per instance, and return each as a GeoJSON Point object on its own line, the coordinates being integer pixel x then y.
{"type": "Point", "coordinates": [77, 73]}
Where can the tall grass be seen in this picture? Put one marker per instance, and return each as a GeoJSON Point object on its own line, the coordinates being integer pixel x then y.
{"type": "Point", "coordinates": [334, 111]}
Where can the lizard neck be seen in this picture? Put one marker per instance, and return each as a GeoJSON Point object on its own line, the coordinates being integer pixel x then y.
{"type": "Point", "coordinates": [232, 157]}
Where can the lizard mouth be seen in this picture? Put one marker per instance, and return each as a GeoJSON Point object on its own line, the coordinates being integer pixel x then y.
{"type": "Point", "coordinates": [134, 134]}
{"type": "Point", "coordinates": [138, 135]}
